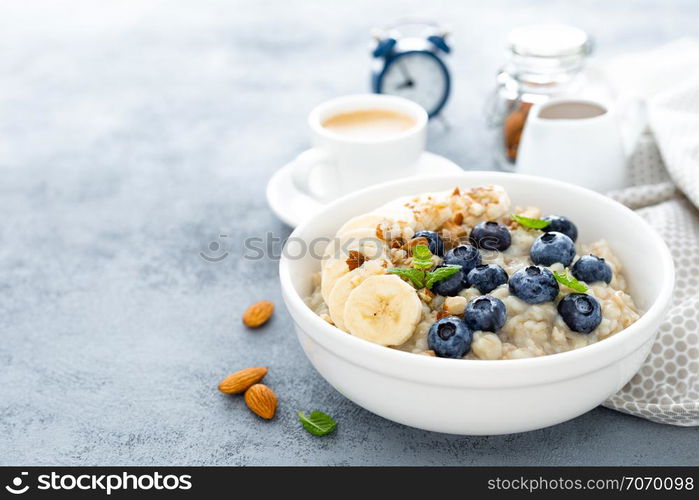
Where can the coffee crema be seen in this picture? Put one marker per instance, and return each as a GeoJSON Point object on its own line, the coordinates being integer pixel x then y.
{"type": "Point", "coordinates": [369, 123]}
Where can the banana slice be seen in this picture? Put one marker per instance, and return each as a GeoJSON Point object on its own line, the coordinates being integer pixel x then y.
{"type": "Point", "coordinates": [399, 219]}
{"type": "Point", "coordinates": [432, 209]}
{"type": "Point", "coordinates": [348, 282]}
{"type": "Point", "coordinates": [383, 310]}
{"type": "Point", "coordinates": [332, 271]}
{"type": "Point", "coordinates": [396, 211]}
{"type": "Point", "coordinates": [327, 253]}
{"type": "Point", "coordinates": [369, 220]}
{"type": "Point", "coordinates": [334, 263]}
{"type": "Point", "coordinates": [354, 239]}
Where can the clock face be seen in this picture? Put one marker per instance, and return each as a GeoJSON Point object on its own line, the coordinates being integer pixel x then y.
{"type": "Point", "coordinates": [418, 76]}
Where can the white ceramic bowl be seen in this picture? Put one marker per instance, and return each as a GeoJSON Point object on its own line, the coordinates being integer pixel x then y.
{"type": "Point", "coordinates": [473, 396]}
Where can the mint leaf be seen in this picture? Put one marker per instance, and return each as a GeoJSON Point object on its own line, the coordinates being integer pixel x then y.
{"type": "Point", "coordinates": [570, 281]}
{"type": "Point", "coordinates": [440, 274]}
{"type": "Point", "coordinates": [422, 257]}
{"type": "Point", "coordinates": [530, 222]}
{"type": "Point", "coordinates": [417, 276]}
{"type": "Point", "coordinates": [317, 423]}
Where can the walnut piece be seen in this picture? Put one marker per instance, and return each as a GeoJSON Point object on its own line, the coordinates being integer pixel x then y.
{"type": "Point", "coordinates": [355, 260]}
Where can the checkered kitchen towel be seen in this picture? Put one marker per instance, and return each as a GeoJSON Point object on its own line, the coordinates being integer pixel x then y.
{"type": "Point", "coordinates": [664, 172]}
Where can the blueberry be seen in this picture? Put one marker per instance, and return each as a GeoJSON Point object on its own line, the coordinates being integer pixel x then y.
{"type": "Point", "coordinates": [561, 225]}
{"type": "Point", "coordinates": [581, 312]}
{"type": "Point", "coordinates": [590, 268]}
{"type": "Point", "coordinates": [486, 277]}
{"type": "Point", "coordinates": [552, 247]}
{"type": "Point", "coordinates": [466, 256]}
{"type": "Point", "coordinates": [534, 285]}
{"type": "Point", "coordinates": [434, 241]}
{"type": "Point", "coordinates": [449, 337]}
{"type": "Point", "coordinates": [491, 236]}
{"type": "Point", "coordinates": [452, 285]}
{"type": "Point", "coordinates": [485, 313]}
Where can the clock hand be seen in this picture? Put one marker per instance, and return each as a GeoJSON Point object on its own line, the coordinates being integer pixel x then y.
{"type": "Point", "coordinates": [408, 79]}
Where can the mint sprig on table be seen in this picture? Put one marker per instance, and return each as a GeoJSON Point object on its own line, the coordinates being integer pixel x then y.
{"type": "Point", "coordinates": [570, 281]}
{"type": "Point", "coordinates": [530, 222]}
{"type": "Point", "coordinates": [317, 423]}
{"type": "Point", "coordinates": [419, 274]}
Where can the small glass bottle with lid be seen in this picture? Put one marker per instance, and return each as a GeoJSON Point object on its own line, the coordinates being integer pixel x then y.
{"type": "Point", "coordinates": [545, 61]}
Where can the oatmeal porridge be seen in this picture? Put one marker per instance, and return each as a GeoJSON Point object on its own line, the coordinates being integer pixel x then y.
{"type": "Point", "coordinates": [462, 274]}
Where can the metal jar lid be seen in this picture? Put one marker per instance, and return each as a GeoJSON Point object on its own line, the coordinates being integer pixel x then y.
{"type": "Point", "coordinates": [549, 40]}
{"type": "Point", "coordinates": [542, 49]}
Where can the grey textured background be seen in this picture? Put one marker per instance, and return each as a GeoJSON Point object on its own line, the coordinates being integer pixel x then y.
{"type": "Point", "coordinates": [131, 135]}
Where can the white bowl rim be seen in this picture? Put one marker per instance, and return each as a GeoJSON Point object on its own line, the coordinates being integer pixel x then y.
{"type": "Point", "coordinates": [297, 305]}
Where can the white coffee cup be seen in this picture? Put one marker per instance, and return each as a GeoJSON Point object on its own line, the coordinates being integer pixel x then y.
{"type": "Point", "coordinates": [340, 163]}
{"type": "Point", "coordinates": [578, 141]}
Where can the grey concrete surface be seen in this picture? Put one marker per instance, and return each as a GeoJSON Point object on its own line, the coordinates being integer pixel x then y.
{"type": "Point", "coordinates": [131, 135]}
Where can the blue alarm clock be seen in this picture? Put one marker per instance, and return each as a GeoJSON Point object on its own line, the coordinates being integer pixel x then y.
{"type": "Point", "coordinates": [409, 62]}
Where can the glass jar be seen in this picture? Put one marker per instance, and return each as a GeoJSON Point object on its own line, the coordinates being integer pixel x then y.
{"type": "Point", "coordinates": [545, 61]}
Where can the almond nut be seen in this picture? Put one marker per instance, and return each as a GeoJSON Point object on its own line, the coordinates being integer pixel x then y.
{"type": "Point", "coordinates": [258, 314]}
{"type": "Point", "coordinates": [379, 232]}
{"type": "Point", "coordinates": [261, 400]}
{"type": "Point", "coordinates": [239, 381]}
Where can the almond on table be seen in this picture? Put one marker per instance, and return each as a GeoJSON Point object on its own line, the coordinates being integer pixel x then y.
{"type": "Point", "coordinates": [261, 400]}
{"type": "Point", "coordinates": [241, 380]}
{"type": "Point", "coordinates": [258, 314]}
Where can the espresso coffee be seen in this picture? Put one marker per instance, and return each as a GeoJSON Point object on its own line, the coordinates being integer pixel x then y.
{"type": "Point", "coordinates": [369, 123]}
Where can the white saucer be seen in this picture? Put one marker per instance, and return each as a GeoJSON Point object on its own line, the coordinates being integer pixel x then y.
{"type": "Point", "coordinates": [293, 206]}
